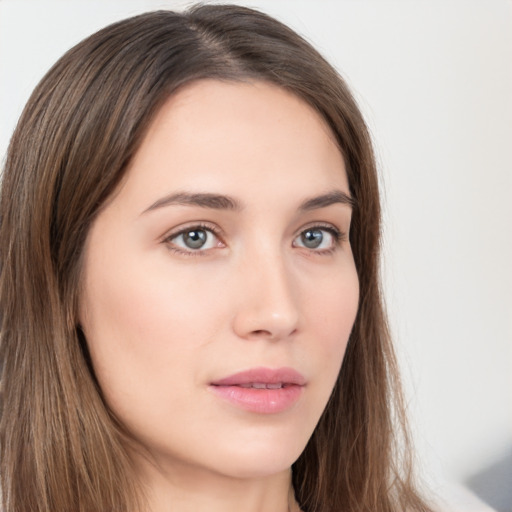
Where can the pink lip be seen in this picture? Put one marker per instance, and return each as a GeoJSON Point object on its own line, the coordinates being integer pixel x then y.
{"type": "Point", "coordinates": [274, 390]}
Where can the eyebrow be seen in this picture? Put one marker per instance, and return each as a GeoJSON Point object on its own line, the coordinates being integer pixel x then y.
{"type": "Point", "coordinates": [223, 202]}
{"type": "Point", "coordinates": [324, 200]}
{"type": "Point", "coordinates": [203, 200]}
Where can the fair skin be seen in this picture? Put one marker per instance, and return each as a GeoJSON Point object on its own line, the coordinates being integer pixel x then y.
{"type": "Point", "coordinates": [182, 290]}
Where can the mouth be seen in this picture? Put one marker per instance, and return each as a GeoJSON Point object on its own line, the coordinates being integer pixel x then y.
{"type": "Point", "coordinates": [261, 390]}
{"type": "Point", "coordinates": [263, 385]}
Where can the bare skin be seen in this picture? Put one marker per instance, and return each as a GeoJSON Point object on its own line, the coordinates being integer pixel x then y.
{"type": "Point", "coordinates": [225, 250]}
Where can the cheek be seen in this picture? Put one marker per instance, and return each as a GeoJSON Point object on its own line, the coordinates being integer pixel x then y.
{"type": "Point", "coordinates": [332, 305]}
{"type": "Point", "coordinates": [144, 315]}
{"type": "Point", "coordinates": [147, 337]}
{"type": "Point", "coordinates": [331, 313]}
{"type": "Point", "coordinates": [336, 310]}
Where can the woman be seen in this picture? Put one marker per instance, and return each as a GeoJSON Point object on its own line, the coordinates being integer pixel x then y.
{"type": "Point", "coordinates": [191, 314]}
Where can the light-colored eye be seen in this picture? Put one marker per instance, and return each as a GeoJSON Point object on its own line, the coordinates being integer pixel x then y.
{"type": "Point", "coordinates": [317, 238]}
{"type": "Point", "coordinates": [194, 239]}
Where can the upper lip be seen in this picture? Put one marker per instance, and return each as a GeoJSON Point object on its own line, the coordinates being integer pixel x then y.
{"type": "Point", "coordinates": [264, 376]}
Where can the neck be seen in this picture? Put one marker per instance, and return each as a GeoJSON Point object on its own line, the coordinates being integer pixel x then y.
{"type": "Point", "coordinates": [187, 489]}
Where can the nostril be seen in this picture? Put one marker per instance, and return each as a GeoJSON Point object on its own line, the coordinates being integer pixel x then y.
{"type": "Point", "coordinates": [261, 332]}
{"type": "Point", "coordinates": [270, 334]}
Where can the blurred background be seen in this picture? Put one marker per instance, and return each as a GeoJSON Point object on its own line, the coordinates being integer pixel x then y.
{"type": "Point", "coordinates": [434, 79]}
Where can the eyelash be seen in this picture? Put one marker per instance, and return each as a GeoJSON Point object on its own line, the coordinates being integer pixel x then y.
{"type": "Point", "coordinates": [337, 235]}
{"type": "Point", "coordinates": [338, 238]}
{"type": "Point", "coordinates": [195, 227]}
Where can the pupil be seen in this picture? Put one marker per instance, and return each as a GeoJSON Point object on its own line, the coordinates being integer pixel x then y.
{"type": "Point", "coordinates": [195, 239]}
{"type": "Point", "coordinates": [312, 238]}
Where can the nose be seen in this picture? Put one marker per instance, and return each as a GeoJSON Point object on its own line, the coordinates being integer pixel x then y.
{"type": "Point", "coordinates": [267, 307]}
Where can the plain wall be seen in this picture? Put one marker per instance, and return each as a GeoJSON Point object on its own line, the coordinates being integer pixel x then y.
{"type": "Point", "coordinates": [434, 80]}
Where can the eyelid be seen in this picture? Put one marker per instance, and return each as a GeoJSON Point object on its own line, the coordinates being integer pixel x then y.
{"type": "Point", "coordinates": [328, 226]}
{"type": "Point", "coordinates": [338, 235]}
{"type": "Point", "coordinates": [175, 232]}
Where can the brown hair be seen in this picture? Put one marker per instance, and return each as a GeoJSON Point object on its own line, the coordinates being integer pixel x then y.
{"type": "Point", "coordinates": [61, 449]}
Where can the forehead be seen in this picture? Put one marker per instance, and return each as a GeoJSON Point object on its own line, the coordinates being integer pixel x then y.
{"type": "Point", "coordinates": [213, 134]}
{"type": "Point", "coordinates": [255, 101]}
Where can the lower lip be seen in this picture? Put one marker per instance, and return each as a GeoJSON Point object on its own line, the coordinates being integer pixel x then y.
{"type": "Point", "coordinates": [262, 401]}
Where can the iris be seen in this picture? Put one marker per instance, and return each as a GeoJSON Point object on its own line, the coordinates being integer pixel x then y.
{"type": "Point", "coordinates": [312, 238]}
{"type": "Point", "coordinates": [195, 239]}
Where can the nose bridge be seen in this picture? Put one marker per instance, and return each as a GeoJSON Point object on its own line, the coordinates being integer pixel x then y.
{"type": "Point", "coordinates": [268, 306]}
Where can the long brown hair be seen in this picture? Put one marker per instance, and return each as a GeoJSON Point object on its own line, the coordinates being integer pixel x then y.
{"type": "Point", "coordinates": [61, 449]}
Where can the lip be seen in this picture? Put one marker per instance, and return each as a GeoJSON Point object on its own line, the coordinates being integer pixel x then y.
{"type": "Point", "coordinates": [274, 391]}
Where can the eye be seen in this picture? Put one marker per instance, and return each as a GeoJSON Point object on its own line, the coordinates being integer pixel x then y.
{"type": "Point", "coordinates": [193, 239]}
{"type": "Point", "coordinates": [319, 238]}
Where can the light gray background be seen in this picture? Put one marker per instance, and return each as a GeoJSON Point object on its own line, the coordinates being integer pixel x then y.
{"type": "Point", "coordinates": [434, 79]}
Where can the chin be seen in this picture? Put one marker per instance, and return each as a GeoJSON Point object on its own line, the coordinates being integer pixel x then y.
{"type": "Point", "coordinates": [260, 457]}
{"type": "Point", "coordinates": [257, 468]}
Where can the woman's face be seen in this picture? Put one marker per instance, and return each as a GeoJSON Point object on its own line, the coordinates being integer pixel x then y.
{"type": "Point", "coordinates": [219, 285]}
